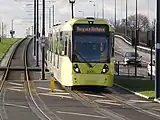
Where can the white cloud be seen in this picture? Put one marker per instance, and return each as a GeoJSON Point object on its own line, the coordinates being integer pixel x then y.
{"type": "Point", "coordinates": [10, 9]}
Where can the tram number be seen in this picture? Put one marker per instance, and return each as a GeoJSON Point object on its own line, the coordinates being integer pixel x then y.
{"type": "Point", "coordinates": [90, 71]}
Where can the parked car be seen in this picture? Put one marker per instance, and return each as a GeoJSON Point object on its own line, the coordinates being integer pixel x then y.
{"type": "Point", "coordinates": [153, 68]}
{"type": "Point", "coordinates": [129, 58]}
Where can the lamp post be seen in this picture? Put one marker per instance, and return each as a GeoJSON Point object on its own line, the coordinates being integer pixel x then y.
{"type": "Point", "coordinates": [126, 19]}
{"type": "Point", "coordinates": [137, 31]}
{"type": "Point", "coordinates": [49, 18]}
{"type": "Point", "coordinates": [43, 35]}
{"type": "Point", "coordinates": [82, 13]}
{"type": "Point", "coordinates": [37, 34]}
{"type": "Point", "coordinates": [53, 15]}
{"type": "Point", "coordinates": [157, 47]}
{"type": "Point", "coordinates": [115, 19]}
{"type": "Point", "coordinates": [72, 3]}
{"type": "Point", "coordinates": [103, 9]}
{"type": "Point", "coordinates": [94, 5]}
{"type": "Point", "coordinates": [34, 36]}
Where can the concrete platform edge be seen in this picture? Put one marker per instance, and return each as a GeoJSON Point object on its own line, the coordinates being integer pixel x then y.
{"type": "Point", "coordinates": [136, 93]}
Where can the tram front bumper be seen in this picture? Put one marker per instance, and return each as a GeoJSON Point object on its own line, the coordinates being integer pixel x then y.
{"type": "Point", "coordinates": [92, 79]}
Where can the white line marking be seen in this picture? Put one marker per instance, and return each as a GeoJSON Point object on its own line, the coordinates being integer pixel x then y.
{"type": "Point", "coordinates": [138, 101]}
{"type": "Point", "coordinates": [56, 90]}
{"type": "Point", "coordinates": [80, 114]}
{"type": "Point", "coordinates": [41, 80]}
{"type": "Point", "coordinates": [9, 104]}
{"type": "Point", "coordinates": [15, 83]}
{"type": "Point", "coordinates": [94, 95]}
{"type": "Point", "coordinates": [43, 88]}
{"type": "Point", "coordinates": [54, 93]}
{"type": "Point", "coordinates": [108, 102]}
{"type": "Point", "coordinates": [15, 89]}
{"type": "Point", "coordinates": [62, 96]}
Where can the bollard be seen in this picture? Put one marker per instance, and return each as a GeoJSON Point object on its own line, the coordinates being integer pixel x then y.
{"type": "Point", "coordinates": [52, 82]}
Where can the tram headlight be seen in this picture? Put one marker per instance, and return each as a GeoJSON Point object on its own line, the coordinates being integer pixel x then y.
{"type": "Point", "coordinates": [76, 68]}
{"type": "Point", "coordinates": [105, 69]}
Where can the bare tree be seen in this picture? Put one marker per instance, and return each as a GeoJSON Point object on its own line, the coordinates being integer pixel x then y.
{"type": "Point", "coordinates": [112, 22]}
{"type": "Point", "coordinates": [142, 21]}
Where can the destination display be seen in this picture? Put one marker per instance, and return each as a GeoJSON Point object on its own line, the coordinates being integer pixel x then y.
{"type": "Point", "coordinates": [90, 28]}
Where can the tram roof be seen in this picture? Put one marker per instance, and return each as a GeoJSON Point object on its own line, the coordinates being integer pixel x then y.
{"type": "Point", "coordinates": [67, 25]}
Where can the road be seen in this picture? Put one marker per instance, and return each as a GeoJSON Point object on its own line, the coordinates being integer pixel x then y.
{"type": "Point", "coordinates": [122, 47]}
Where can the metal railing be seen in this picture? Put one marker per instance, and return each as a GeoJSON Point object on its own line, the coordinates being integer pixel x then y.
{"type": "Point", "coordinates": [129, 70]}
{"type": "Point", "coordinates": [140, 48]}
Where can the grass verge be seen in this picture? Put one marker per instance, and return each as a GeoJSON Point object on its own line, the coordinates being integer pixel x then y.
{"type": "Point", "coordinates": [5, 44]}
{"type": "Point", "coordinates": [145, 87]}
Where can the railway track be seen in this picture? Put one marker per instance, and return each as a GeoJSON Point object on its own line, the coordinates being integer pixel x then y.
{"type": "Point", "coordinates": [98, 108]}
{"type": "Point", "coordinates": [7, 75]}
{"type": "Point", "coordinates": [19, 58]}
{"type": "Point", "coordinates": [109, 110]}
{"type": "Point", "coordinates": [34, 101]}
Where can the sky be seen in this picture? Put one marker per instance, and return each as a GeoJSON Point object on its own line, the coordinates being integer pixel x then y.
{"type": "Point", "coordinates": [22, 14]}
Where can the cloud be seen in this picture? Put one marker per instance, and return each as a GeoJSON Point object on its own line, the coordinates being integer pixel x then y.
{"type": "Point", "coordinates": [16, 9]}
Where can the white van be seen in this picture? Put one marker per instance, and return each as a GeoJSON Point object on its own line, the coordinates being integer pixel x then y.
{"type": "Point", "coordinates": [153, 68]}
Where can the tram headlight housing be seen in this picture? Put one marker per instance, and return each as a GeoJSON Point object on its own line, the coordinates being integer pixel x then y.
{"type": "Point", "coordinates": [76, 68]}
{"type": "Point", "coordinates": [105, 69]}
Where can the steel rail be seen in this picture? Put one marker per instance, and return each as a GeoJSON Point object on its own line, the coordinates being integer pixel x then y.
{"type": "Point", "coordinates": [39, 111]}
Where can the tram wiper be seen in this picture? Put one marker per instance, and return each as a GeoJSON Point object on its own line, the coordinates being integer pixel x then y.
{"type": "Point", "coordinates": [83, 58]}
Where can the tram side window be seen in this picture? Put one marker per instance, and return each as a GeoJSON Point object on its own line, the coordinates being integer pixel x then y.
{"type": "Point", "coordinates": [49, 42]}
{"type": "Point", "coordinates": [61, 45]}
{"type": "Point", "coordinates": [52, 47]}
{"type": "Point", "coordinates": [56, 44]}
{"type": "Point", "coordinates": [65, 46]}
{"type": "Point", "coordinates": [69, 47]}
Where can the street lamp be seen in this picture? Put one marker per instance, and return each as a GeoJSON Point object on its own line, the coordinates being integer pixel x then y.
{"type": "Point", "coordinates": [37, 34]}
{"type": "Point", "coordinates": [136, 40]}
{"type": "Point", "coordinates": [115, 19]}
{"type": "Point", "coordinates": [157, 48]}
{"type": "Point", "coordinates": [126, 18]}
{"type": "Point", "coordinates": [103, 9]}
{"type": "Point", "coordinates": [72, 3]}
{"type": "Point", "coordinates": [82, 13]}
{"type": "Point", "coordinates": [94, 5]}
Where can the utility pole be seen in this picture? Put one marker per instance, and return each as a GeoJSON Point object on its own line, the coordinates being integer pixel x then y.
{"type": "Point", "coordinates": [37, 34]}
{"type": "Point", "coordinates": [72, 3]}
{"type": "Point", "coordinates": [115, 14]}
{"type": "Point", "coordinates": [43, 35]}
{"type": "Point", "coordinates": [12, 24]}
{"type": "Point", "coordinates": [94, 10]}
{"type": "Point", "coordinates": [53, 15]}
{"type": "Point", "coordinates": [126, 19]}
{"type": "Point", "coordinates": [157, 46]}
{"type": "Point", "coordinates": [103, 9]}
{"type": "Point", "coordinates": [49, 18]}
{"type": "Point", "coordinates": [34, 37]}
{"type": "Point", "coordinates": [2, 29]}
{"type": "Point", "coordinates": [136, 41]}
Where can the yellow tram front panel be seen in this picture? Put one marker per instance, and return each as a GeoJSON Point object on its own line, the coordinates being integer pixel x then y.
{"type": "Point", "coordinates": [92, 75]}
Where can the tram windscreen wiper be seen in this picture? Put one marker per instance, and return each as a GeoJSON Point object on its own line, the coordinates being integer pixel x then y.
{"type": "Point", "coordinates": [83, 58]}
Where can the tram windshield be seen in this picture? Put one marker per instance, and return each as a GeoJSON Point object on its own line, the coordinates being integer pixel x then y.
{"type": "Point", "coordinates": [90, 48]}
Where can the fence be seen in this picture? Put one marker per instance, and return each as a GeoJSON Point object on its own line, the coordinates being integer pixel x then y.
{"type": "Point", "coordinates": [129, 70]}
